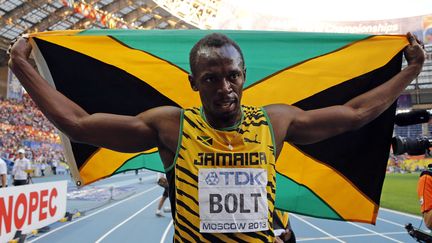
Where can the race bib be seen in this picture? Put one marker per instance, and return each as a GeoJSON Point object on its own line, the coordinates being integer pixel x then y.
{"type": "Point", "coordinates": [232, 200]}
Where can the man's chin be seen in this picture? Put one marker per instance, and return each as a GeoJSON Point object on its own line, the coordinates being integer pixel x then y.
{"type": "Point", "coordinates": [226, 112]}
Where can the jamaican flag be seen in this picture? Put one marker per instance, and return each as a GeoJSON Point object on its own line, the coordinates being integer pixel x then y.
{"type": "Point", "coordinates": [128, 71]}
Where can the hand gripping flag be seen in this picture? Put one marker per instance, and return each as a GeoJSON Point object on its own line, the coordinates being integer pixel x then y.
{"type": "Point", "coordinates": [127, 72]}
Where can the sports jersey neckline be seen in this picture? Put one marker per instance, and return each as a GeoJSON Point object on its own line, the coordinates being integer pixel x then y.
{"type": "Point", "coordinates": [231, 128]}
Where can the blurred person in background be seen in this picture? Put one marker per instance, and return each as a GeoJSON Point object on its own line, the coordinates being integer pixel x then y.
{"type": "Point", "coordinates": [3, 173]}
{"type": "Point", "coordinates": [163, 182]}
{"type": "Point", "coordinates": [20, 168]}
{"type": "Point", "coordinates": [42, 168]}
{"type": "Point", "coordinates": [424, 192]}
{"type": "Point", "coordinates": [54, 165]}
{"type": "Point", "coordinates": [428, 35]}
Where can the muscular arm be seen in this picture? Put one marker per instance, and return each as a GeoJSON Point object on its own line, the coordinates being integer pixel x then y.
{"type": "Point", "coordinates": [117, 132]}
{"type": "Point", "coordinates": [304, 127]}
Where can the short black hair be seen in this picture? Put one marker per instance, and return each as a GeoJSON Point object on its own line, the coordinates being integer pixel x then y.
{"type": "Point", "coordinates": [212, 40]}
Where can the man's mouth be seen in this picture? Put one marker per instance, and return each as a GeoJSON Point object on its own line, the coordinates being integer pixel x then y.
{"type": "Point", "coordinates": [225, 104]}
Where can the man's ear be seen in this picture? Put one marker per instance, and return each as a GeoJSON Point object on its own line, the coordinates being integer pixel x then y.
{"type": "Point", "coordinates": [192, 82]}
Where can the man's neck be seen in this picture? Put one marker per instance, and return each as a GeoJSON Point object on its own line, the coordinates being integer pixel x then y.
{"type": "Point", "coordinates": [219, 122]}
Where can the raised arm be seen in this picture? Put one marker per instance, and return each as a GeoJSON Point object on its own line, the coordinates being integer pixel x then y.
{"type": "Point", "coordinates": [292, 124]}
{"type": "Point", "coordinates": [117, 132]}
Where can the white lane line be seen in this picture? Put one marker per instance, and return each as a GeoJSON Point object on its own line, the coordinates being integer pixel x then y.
{"type": "Point", "coordinates": [391, 222]}
{"type": "Point", "coordinates": [92, 214]}
{"type": "Point", "coordinates": [404, 214]}
{"type": "Point", "coordinates": [128, 182]}
{"type": "Point", "coordinates": [166, 231]}
{"type": "Point", "coordinates": [350, 236]}
{"type": "Point", "coordinates": [126, 220]}
{"type": "Point", "coordinates": [377, 233]}
{"type": "Point", "coordinates": [319, 229]}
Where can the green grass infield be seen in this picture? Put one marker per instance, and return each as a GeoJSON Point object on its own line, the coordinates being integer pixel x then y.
{"type": "Point", "coordinates": [400, 193]}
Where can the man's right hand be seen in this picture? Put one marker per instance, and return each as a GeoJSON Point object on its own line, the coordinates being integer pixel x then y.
{"type": "Point", "coordinates": [20, 49]}
{"type": "Point", "coordinates": [414, 52]}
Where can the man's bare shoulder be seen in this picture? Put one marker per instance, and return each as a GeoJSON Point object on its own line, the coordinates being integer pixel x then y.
{"type": "Point", "coordinates": [165, 121]}
{"type": "Point", "coordinates": [281, 117]}
{"type": "Point", "coordinates": [277, 111]}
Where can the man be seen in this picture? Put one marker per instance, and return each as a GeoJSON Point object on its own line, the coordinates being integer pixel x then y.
{"type": "Point", "coordinates": [20, 169]}
{"type": "Point", "coordinates": [3, 173]}
{"type": "Point", "coordinates": [424, 192]}
{"type": "Point", "coordinates": [163, 182]}
{"type": "Point", "coordinates": [54, 165]}
{"type": "Point", "coordinates": [210, 146]}
{"type": "Point", "coordinates": [42, 168]}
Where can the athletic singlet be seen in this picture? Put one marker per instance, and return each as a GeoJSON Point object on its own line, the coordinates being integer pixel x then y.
{"type": "Point", "coordinates": [224, 179]}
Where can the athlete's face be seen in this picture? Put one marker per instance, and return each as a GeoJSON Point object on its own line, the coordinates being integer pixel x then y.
{"type": "Point", "coordinates": [219, 77]}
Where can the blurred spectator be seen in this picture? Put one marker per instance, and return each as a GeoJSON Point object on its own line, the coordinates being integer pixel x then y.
{"type": "Point", "coordinates": [21, 169]}
{"type": "Point", "coordinates": [42, 168]}
{"type": "Point", "coordinates": [54, 166]}
{"type": "Point", "coordinates": [428, 35]}
{"type": "Point", "coordinates": [3, 173]}
{"type": "Point", "coordinates": [163, 182]}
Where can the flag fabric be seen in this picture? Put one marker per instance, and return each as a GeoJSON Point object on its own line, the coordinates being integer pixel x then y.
{"type": "Point", "coordinates": [129, 71]}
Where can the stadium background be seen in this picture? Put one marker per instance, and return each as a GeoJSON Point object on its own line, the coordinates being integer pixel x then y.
{"type": "Point", "coordinates": [23, 125]}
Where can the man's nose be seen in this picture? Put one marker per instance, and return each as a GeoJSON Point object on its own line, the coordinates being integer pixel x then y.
{"type": "Point", "coordinates": [225, 86]}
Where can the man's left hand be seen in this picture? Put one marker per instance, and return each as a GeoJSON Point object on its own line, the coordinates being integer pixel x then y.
{"type": "Point", "coordinates": [414, 52]}
{"type": "Point", "coordinates": [284, 237]}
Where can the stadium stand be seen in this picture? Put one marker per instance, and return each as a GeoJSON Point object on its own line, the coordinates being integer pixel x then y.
{"type": "Point", "coordinates": [22, 125]}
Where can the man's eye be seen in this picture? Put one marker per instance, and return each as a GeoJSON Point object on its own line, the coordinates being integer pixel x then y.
{"type": "Point", "coordinates": [209, 79]}
{"type": "Point", "coordinates": [234, 76]}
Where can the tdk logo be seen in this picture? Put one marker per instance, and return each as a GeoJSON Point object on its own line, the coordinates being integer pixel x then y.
{"type": "Point", "coordinates": [212, 179]}
{"type": "Point", "coordinates": [234, 178]}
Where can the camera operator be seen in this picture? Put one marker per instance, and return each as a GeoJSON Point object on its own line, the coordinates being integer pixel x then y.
{"type": "Point", "coordinates": [424, 191]}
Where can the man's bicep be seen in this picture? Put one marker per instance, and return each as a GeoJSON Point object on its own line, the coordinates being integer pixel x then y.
{"type": "Point", "coordinates": [316, 125]}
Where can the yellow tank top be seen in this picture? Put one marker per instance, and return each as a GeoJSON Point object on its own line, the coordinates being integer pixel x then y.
{"type": "Point", "coordinates": [225, 179]}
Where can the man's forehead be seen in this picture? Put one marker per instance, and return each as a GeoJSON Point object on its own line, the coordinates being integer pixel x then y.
{"type": "Point", "coordinates": [225, 51]}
